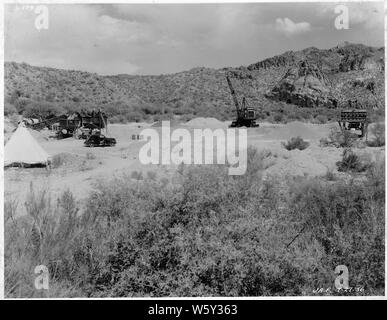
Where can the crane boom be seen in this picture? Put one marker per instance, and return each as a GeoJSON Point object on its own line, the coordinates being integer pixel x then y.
{"type": "Point", "coordinates": [246, 115]}
{"type": "Point", "coordinates": [103, 121]}
{"type": "Point", "coordinates": [233, 93]}
{"type": "Point", "coordinates": [45, 122]}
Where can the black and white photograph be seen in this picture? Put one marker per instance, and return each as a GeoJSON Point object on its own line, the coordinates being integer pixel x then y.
{"type": "Point", "coordinates": [194, 150]}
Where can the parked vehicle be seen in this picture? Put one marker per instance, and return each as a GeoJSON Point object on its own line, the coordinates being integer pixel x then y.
{"type": "Point", "coordinates": [99, 140]}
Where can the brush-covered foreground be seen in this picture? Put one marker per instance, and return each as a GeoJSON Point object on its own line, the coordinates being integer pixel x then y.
{"type": "Point", "coordinates": [202, 233]}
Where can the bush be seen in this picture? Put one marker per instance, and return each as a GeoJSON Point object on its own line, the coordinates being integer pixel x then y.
{"type": "Point", "coordinates": [339, 220]}
{"type": "Point", "coordinates": [296, 143]}
{"type": "Point", "coordinates": [206, 234]}
{"type": "Point", "coordinates": [321, 118]}
{"type": "Point", "coordinates": [57, 161]}
{"type": "Point", "coordinates": [378, 131]}
{"type": "Point", "coordinates": [351, 162]}
{"type": "Point", "coordinates": [137, 175]}
{"type": "Point", "coordinates": [90, 156]}
{"type": "Point", "coordinates": [14, 119]}
{"type": "Point", "coordinates": [21, 104]}
{"type": "Point", "coordinates": [118, 119]}
{"type": "Point", "coordinates": [134, 116]}
{"type": "Point", "coordinates": [330, 175]}
{"type": "Point", "coordinates": [152, 175]}
{"type": "Point", "coordinates": [45, 236]}
{"type": "Point", "coordinates": [9, 109]}
{"type": "Point", "coordinates": [340, 139]}
{"type": "Point", "coordinates": [41, 109]}
{"type": "Point", "coordinates": [278, 117]}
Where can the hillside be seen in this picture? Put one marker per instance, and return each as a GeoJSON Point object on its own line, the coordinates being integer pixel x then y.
{"type": "Point", "coordinates": [276, 87]}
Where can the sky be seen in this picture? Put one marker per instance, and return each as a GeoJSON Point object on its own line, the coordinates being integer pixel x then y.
{"type": "Point", "coordinates": [167, 38]}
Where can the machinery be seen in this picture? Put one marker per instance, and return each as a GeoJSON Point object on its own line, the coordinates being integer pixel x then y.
{"type": "Point", "coordinates": [78, 124]}
{"type": "Point", "coordinates": [95, 138]}
{"type": "Point", "coordinates": [86, 131]}
{"type": "Point", "coordinates": [96, 119]}
{"type": "Point", "coordinates": [246, 115]}
{"type": "Point", "coordinates": [46, 123]}
{"type": "Point", "coordinates": [354, 119]}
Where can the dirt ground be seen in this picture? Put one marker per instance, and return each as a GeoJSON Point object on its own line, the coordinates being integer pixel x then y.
{"type": "Point", "coordinates": [80, 167]}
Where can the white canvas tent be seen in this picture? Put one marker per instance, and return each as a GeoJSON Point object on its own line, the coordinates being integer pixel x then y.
{"type": "Point", "coordinates": [22, 149]}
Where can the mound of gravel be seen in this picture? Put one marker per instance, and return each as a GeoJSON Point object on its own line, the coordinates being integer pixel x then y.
{"type": "Point", "coordinates": [205, 123]}
{"type": "Point", "coordinates": [172, 123]}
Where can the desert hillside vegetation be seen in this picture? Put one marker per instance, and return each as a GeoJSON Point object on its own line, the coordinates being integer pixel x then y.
{"type": "Point", "coordinates": [281, 88]}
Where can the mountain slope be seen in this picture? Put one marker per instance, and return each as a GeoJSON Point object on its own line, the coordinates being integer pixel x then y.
{"type": "Point", "coordinates": [350, 72]}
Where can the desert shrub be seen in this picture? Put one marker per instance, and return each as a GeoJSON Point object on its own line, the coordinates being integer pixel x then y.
{"type": "Point", "coordinates": [118, 119]}
{"type": "Point", "coordinates": [324, 142]}
{"type": "Point", "coordinates": [378, 131]}
{"type": "Point", "coordinates": [344, 139]}
{"type": "Point", "coordinates": [205, 234]}
{"type": "Point", "coordinates": [330, 175]}
{"type": "Point", "coordinates": [296, 143]}
{"type": "Point", "coordinates": [9, 109]}
{"type": "Point", "coordinates": [57, 161]}
{"type": "Point", "coordinates": [150, 109]}
{"type": "Point", "coordinates": [164, 181]}
{"type": "Point", "coordinates": [321, 118]}
{"type": "Point", "coordinates": [376, 178]}
{"type": "Point", "coordinates": [41, 109]}
{"type": "Point", "coordinates": [187, 117]}
{"type": "Point", "coordinates": [196, 240]}
{"type": "Point", "coordinates": [295, 113]}
{"type": "Point", "coordinates": [340, 139]}
{"type": "Point", "coordinates": [85, 165]}
{"type": "Point", "coordinates": [351, 162]}
{"type": "Point", "coordinates": [346, 222]}
{"type": "Point", "coordinates": [134, 116]}
{"type": "Point", "coordinates": [90, 156]}
{"type": "Point", "coordinates": [152, 175]}
{"type": "Point", "coordinates": [137, 175]}
{"type": "Point", "coordinates": [45, 236]}
{"type": "Point", "coordinates": [376, 115]}
{"type": "Point", "coordinates": [21, 104]}
{"type": "Point", "coordinates": [14, 119]}
{"type": "Point", "coordinates": [278, 117]}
